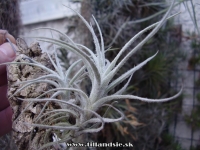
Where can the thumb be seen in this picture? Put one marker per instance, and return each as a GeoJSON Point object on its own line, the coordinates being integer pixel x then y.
{"type": "Point", "coordinates": [7, 54]}
{"type": "Point", "coordinates": [7, 51]}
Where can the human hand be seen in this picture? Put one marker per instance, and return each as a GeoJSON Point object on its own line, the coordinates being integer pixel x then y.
{"type": "Point", "coordinates": [7, 54]}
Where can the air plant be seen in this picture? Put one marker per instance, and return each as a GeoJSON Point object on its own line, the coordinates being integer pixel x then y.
{"type": "Point", "coordinates": [65, 110]}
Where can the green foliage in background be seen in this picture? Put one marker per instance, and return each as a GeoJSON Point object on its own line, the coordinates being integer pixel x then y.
{"type": "Point", "coordinates": [193, 119]}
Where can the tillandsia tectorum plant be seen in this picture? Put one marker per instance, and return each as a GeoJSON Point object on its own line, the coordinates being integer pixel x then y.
{"type": "Point", "coordinates": [50, 108]}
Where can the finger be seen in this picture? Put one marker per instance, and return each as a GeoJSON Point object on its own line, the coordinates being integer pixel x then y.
{"type": "Point", "coordinates": [7, 54]}
{"type": "Point", "coordinates": [3, 99]}
{"type": "Point", "coordinates": [3, 35]}
{"type": "Point", "coordinates": [3, 79]}
{"type": "Point", "coordinates": [6, 121]}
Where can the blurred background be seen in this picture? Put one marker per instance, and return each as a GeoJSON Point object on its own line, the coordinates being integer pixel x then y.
{"type": "Point", "coordinates": [173, 125]}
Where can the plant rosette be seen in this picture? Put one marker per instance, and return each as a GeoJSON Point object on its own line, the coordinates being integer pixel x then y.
{"type": "Point", "coordinates": [50, 107]}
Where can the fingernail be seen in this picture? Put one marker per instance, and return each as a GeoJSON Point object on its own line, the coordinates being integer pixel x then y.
{"type": "Point", "coordinates": [8, 52]}
{"type": "Point", "coordinates": [11, 44]}
{"type": "Point", "coordinates": [3, 36]}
